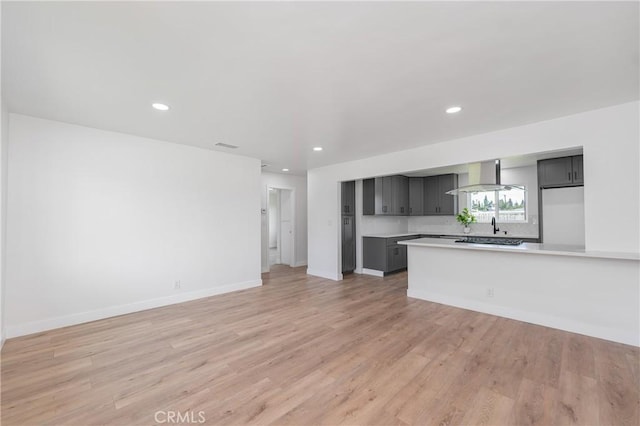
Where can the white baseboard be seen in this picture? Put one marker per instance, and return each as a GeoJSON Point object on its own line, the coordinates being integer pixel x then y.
{"type": "Point", "coordinates": [112, 311]}
{"type": "Point", "coordinates": [322, 274]}
{"type": "Point", "coordinates": [566, 324]}
{"type": "Point", "coordinates": [373, 272]}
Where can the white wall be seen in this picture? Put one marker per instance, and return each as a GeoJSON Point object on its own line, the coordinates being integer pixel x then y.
{"type": "Point", "coordinates": [4, 144]}
{"type": "Point", "coordinates": [591, 296]}
{"type": "Point", "coordinates": [609, 137]}
{"type": "Point", "coordinates": [563, 214]}
{"type": "Point", "coordinates": [102, 223]}
{"type": "Point", "coordinates": [298, 184]}
{"type": "Point", "coordinates": [4, 141]}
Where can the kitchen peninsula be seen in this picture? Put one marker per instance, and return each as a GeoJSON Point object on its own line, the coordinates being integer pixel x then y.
{"type": "Point", "coordinates": [565, 287]}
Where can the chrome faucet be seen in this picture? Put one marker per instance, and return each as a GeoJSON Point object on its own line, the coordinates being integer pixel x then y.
{"type": "Point", "coordinates": [493, 223]}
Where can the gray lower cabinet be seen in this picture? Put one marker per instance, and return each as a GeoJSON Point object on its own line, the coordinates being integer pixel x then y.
{"type": "Point", "coordinates": [385, 254]}
{"type": "Point", "coordinates": [416, 196]}
{"type": "Point", "coordinates": [436, 201]}
{"type": "Point", "coordinates": [396, 257]}
{"type": "Point", "coordinates": [560, 172]}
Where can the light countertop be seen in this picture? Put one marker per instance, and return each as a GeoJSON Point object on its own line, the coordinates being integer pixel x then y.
{"type": "Point", "coordinates": [529, 248]}
{"type": "Point", "coordinates": [473, 234]}
{"type": "Point", "coordinates": [404, 234]}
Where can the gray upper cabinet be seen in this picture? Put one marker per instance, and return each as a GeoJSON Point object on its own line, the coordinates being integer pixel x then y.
{"type": "Point", "coordinates": [368, 197]}
{"type": "Point", "coordinates": [416, 196]}
{"type": "Point", "coordinates": [436, 201]}
{"type": "Point", "coordinates": [555, 171]}
{"type": "Point", "coordinates": [431, 196]}
{"type": "Point", "coordinates": [348, 198]}
{"type": "Point", "coordinates": [403, 196]}
{"type": "Point", "coordinates": [578, 174]}
{"type": "Point", "coordinates": [386, 196]}
{"type": "Point", "coordinates": [559, 172]}
{"type": "Point", "coordinates": [384, 191]}
{"type": "Point", "coordinates": [448, 203]}
{"type": "Point", "coordinates": [400, 195]}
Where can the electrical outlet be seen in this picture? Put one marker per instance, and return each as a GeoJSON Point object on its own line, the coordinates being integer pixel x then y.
{"type": "Point", "coordinates": [177, 285]}
{"type": "Point", "coordinates": [489, 291]}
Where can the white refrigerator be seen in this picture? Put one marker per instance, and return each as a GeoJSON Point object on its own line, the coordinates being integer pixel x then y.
{"type": "Point", "coordinates": [563, 216]}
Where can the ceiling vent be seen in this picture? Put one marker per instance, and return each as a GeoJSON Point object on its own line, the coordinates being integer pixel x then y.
{"type": "Point", "coordinates": [226, 145]}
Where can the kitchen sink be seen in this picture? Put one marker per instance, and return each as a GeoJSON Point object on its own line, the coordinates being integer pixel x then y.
{"type": "Point", "coordinates": [488, 240]}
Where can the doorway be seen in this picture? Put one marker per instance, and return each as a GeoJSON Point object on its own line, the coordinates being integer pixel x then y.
{"type": "Point", "coordinates": [280, 212]}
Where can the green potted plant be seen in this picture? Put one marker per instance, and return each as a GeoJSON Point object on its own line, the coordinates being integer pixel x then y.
{"type": "Point", "coordinates": [466, 219]}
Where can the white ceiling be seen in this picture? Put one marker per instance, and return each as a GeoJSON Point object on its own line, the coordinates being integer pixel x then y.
{"type": "Point", "coordinates": [277, 79]}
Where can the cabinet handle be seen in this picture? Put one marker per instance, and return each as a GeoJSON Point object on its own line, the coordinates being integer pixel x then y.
{"type": "Point", "coordinates": [410, 209]}
{"type": "Point", "coordinates": [569, 175]}
{"type": "Point", "coordinates": [384, 209]}
{"type": "Point", "coordinates": [575, 174]}
{"type": "Point", "coordinates": [401, 209]}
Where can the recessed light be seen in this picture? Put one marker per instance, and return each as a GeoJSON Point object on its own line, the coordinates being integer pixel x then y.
{"type": "Point", "coordinates": [454, 109]}
{"type": "Point", "coordinates": [285, 170]}
{"type": "Point", "coordinates": [317, 148]}
{"type": "Point", "coordinates": [160, 107]}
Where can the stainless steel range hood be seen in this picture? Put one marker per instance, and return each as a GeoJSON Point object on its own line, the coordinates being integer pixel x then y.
{"type": "Point", "coordinates": [484, 177]}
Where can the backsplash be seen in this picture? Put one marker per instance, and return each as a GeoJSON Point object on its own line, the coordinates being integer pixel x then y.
{"type": "Point", "coordinates": [449, 225]}
{"type": "Point", "coordinates": [374, 225]}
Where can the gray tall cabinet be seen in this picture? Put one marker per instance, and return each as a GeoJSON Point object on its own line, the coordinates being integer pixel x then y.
{"type": "Point", "coordinates": [348, 198]}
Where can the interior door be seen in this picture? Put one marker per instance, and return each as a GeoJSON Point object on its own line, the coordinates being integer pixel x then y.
{"type": "Point", "coordinates": [286, 227]}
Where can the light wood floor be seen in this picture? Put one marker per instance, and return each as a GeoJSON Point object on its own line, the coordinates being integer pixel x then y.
{"type": "Point", "coordinates": [303, 350]}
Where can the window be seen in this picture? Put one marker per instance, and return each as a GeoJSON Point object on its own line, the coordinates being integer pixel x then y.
{"type": "Point", "coordinates": [505, 206]}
